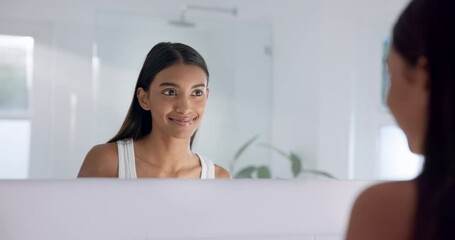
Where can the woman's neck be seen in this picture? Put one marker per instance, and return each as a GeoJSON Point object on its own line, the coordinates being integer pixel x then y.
{"type": "Point", "coordinates": [165, 152]}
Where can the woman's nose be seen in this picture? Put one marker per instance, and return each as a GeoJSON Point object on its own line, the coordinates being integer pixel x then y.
{"type": "Point", "coordinates": [182, 104]}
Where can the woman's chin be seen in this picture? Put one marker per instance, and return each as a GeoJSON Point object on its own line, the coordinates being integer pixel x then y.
{"type": "Point", "coordinates": [416, 148]}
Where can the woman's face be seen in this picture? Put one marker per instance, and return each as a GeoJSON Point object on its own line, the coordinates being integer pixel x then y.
{"type": "Point", "coordinates": [408, 98]}
{"type": "Point", "coordinates": [176, 98]}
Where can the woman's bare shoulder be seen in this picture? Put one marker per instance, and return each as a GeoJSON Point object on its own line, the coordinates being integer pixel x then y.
{"type": "Point", "coordinates": [101, 161]}
{"type": "Point", "coordinates": [221, 172]}
{"type": "Point", "coordinates": [383, 211]}
{"type": "Point", "coordinates": [389, 191]}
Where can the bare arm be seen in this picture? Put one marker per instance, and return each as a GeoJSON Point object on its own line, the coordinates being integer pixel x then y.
{"type": "Point", "coordinates": [101, 161]}
{"type": "Point", "coordinates": [221, 173]}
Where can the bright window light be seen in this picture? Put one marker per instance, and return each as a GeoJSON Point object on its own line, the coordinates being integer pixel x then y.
{"type": "Point", "coordinates": [15, 148]}
{"type": "Point", "coordinates": [396, 161]}
{"type": "Point", "coordinates": [16, 71]}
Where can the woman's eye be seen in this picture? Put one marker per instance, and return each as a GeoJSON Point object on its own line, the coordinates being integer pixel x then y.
{"type": "Point", "coordinates": [198, 93]}
{"type": "Point", "coordinates": [169, 92]}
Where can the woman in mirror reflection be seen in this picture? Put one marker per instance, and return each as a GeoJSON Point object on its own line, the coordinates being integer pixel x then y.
{"type": "Point", "coordinates": [421, 63]}
{"type": "Point", "coordinates": [156, 137]}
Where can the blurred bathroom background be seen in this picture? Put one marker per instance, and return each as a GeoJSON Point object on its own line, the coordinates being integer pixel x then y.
{"type": "Point", "coordinates": [305, 77]}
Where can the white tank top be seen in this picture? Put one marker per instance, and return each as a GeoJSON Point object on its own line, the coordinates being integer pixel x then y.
{"type": "Point", "coordinates": [127, 163]}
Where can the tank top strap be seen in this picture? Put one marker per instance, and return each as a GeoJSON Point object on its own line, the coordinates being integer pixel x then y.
{"type": "Point", "coordinates": [126, 159]}
{"type": "Point", "coordinates": [208, 168]}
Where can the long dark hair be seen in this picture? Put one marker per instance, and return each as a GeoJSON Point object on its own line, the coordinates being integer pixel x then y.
{"type": "Point", "coordinates": [426, 28]}
{"type": "Point", "coordinates": [138, 122]}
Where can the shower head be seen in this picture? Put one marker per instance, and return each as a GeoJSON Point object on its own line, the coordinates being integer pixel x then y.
{"type": "Point", "coordinates": [182, 23]}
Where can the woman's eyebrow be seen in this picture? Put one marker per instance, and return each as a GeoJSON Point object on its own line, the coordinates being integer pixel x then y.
{"type": "Point", "coordinates": [199, 85]}
{"type": "Point", "coordinates": [169, 84]}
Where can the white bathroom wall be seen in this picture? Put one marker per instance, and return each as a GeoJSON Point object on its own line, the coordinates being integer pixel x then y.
{"type": "Point", "coordinates": [350, 85]}
{"type": "Point", "coordinates": [322, 60]}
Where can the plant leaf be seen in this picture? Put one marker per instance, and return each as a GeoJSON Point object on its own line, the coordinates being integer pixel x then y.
{"type": "Point", "coordinates": [264, 172]}
{"type": "Point", "coordinates": [281, 152]}
{"type": "Point", "coordinates": [244, 147]}
{"type": "Point", "coordinates": [317, 172]}
{"type": "Point", "coordinates": [240, 151]}
{"type": "Point", "coordinates": [296, 164]}
{"type": "Point", "coordinates": [246, 172]}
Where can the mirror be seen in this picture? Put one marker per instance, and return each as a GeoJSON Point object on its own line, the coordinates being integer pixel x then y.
{"type": "Point", "coordinates": [297, 88]}
{"type": "Point", "coordinates": [239, 62]}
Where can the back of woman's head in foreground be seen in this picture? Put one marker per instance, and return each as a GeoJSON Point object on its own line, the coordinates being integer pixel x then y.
{"type": "Point", "coordinates": [426, 30]}
{"type": "Point", "coordinates": [138, 122]}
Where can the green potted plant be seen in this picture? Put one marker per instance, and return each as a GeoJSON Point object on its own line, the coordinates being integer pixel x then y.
{"type": "Point", "coordinates": [264, 171]}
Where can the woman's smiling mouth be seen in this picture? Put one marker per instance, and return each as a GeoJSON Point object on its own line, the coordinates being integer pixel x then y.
{"type": "Point", "coordinates": [183, 121]}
